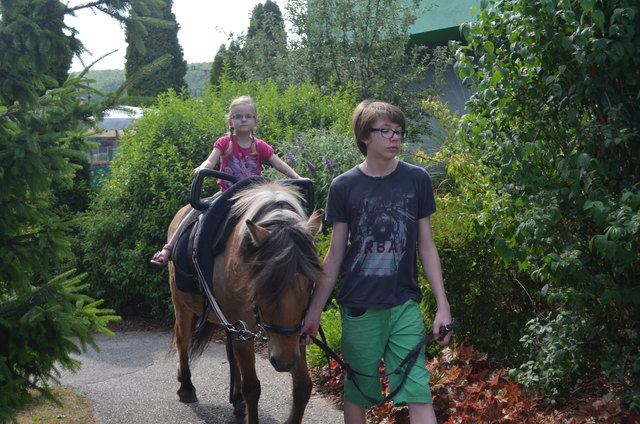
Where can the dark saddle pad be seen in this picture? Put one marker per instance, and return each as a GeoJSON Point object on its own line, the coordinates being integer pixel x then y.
{"type": "Point", "coordinates": [204, 237]}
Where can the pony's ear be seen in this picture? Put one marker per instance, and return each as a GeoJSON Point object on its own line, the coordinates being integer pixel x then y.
{"type": "Point", "coordinates": [314, 224]}
{"type": "Point", "coordinates": [258, 234]}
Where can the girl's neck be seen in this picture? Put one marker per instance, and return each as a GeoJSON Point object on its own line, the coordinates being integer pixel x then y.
{"type": "Point", "coordinates": [243, 140]}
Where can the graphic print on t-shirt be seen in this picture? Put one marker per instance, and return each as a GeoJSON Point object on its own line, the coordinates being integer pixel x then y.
{"type": "Point", "coordinates": [241, 166]}
{"type": "Point", "coordinates": [381, 235]}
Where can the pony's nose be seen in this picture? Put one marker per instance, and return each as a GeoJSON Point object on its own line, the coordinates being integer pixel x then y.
{"type": "Point", "coordinates": [281, 365]}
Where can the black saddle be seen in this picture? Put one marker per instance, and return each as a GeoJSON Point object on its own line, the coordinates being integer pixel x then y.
{"type": "Point", "coordinates": [205, 236]}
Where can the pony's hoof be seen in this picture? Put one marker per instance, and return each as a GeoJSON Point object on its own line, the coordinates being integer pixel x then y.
{"type": "Point", "coordinates": [188, 397]}
{"type": "Point", "coordinates": [239, 409]}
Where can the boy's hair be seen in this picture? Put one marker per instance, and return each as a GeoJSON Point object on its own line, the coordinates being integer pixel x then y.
{"type": "Point", "coordinates": [242, 100]}
{"type": "Point", "coordinates": [367, 112]}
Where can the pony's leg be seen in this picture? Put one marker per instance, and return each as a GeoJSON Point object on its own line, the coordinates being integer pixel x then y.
{"type": "Point", "coordinates": [301, 388]}
{"type": "Point", "coordinates": [246, 360]}
{"type": "Point", "coordinates": [239, 406]}
{"type": "Point", "coordinates": [182, 331]}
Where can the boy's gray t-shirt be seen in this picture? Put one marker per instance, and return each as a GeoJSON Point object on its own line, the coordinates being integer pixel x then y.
{"type": "Point", "coordinates": [380, 268]}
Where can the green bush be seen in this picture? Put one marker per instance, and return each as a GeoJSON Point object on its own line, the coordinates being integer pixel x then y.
{"type": "Point", "coordinates": [151, 173]}
{"type": "Point", "coordinates": [555, 344]}
{"type": "Point", "coordinates": [554, 121]}
{"type": "Point", "coordinates": [321, 156]}
{"type": "Point", "coordinates": [332, 327]}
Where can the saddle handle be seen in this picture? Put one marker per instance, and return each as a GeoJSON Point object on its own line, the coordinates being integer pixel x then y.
{"type": "Point", "coordinates": [196, 186]}
{"type": "Point", "coordinates": [307, 191]}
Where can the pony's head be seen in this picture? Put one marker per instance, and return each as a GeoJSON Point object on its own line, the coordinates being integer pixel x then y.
{"type": "Point", "coordinates": [277, 248]}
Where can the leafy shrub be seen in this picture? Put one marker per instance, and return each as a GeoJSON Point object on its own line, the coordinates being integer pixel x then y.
{"type": "Point", "coordinates": [554, 346]}
{"type": "Point", "coordinates": [321, 156]}
{"type": "Point", "coordinates": [486, 297]}
{"type": "Point", "coordinates": [148, 183]}
{"type": "Point", "coordinates": [555, 122]}
{"type": "Point", "coordinates": [151, 174]}
{"type": "Point", "coordinates": [332, 327]}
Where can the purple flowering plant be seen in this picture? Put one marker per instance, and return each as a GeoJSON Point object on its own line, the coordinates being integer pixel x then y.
{"type": "Point", "coordinates": [321, 156]}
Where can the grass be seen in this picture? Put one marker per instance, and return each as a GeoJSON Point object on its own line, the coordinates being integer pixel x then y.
{"type": "Point", "coordinates": [75, 410]}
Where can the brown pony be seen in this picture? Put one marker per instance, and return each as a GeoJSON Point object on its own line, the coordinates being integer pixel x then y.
{"type": "Point", "coordinates": [265, 275]}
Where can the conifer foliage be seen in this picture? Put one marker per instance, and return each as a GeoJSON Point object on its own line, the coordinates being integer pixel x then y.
{"type": "Point", "coordinates": [161, 39]}
{"type": "Point", "coordinates": [44, 316]}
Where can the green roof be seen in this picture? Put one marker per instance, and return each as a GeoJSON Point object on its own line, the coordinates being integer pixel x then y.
{"type": "Point", "coordinates": [441, 22]}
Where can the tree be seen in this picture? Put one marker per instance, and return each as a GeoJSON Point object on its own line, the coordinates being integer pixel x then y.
{"type": "Point", "coordinates": [226, 60]}
{"type": "Point", "coordinates": [217, 67]}
{"type": "Point", "coordinates": [161, 39]}
{"type": "Point", "coordinates": [44, 317]}
{"type": "Point", "coordinates": [264, 53]}
{"type": "Point", "coordinates": [361, 42]}
{"type": "Point", "coordinates": [555, 120]}
{"type": "Point", "coordinates": [261, 54]}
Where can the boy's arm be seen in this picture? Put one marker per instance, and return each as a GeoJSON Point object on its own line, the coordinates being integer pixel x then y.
{"type": "Point", "coordinates": [331, 270]}
{"type": "Point", "coordinates": [211, 161]}
{"type": "Point", "coordinates": [433, 271]}
{"type": "Point", "coordinates": [281, 166]}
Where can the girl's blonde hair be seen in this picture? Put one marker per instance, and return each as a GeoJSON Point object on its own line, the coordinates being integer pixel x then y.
{"type": "Point", "coordinates": [242, 100]}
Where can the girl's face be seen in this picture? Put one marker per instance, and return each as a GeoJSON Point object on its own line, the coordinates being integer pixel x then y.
{"type": "Point", "coordinates": [243, 118]}
{"type": "Point", "coordinates": [384, 139]}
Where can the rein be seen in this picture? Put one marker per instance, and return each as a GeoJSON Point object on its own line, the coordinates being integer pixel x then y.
{"type": "Point", "coordinates": [409, 360]}
{"type": "Point", "coordinates": [238, 328]}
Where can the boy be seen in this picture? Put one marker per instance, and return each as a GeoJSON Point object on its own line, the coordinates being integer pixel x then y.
{"type": "Point", "coordinates": [380, 211]}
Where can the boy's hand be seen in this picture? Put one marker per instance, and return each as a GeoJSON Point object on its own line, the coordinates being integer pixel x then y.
{"type": "Point", "coordinates": [309, 329]}
{"type": "Point", "coordinates": [442, 320]}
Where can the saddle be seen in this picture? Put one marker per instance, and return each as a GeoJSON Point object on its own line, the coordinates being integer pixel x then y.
{"type": "Point", "coordinates": [204, 237]}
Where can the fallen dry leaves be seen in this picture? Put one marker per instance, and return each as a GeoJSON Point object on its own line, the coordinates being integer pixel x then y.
{"type": "Point", "coordinates": [467, 388]}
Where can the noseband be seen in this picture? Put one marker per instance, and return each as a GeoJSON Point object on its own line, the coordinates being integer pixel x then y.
{"type": "Point", "coordinates": [279, 329]}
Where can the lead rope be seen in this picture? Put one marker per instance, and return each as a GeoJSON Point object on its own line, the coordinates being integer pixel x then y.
{"type": "Point", "coordinates": [409, 360]}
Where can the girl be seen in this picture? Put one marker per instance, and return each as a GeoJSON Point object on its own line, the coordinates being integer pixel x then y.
{"type": "Point", "coordinates": [240, 154]}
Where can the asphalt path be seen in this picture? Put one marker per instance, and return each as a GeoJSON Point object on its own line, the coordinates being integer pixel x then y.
{"type": "Point", "coordinates": [132, 380]}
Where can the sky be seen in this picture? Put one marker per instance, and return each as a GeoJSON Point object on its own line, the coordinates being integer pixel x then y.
{"type": "Point", "coordinates": [204, 26]}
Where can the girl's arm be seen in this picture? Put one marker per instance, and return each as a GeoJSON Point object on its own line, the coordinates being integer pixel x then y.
{"type": "Point", "coordinates": [433, 271]}
{"type": "Point", "coordinates": [211, 161]}
{"type": "Point", "coordinates": [281, 166]}
{"type": "Point", "coordinates": [331, 270]}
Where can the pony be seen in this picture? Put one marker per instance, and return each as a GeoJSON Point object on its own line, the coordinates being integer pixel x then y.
{"type": "Point", "coordinates": [264, 277]}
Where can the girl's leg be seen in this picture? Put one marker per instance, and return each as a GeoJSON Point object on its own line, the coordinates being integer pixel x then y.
{"type": "Point", "coordinates": [354, 414]}
{"type": "Point", "coordinates": [162, 257]}
{"type": "Point", "coordinates": [421, 413]}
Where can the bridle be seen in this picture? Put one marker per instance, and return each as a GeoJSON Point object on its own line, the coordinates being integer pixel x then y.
{"type": "Point", "coordinates": [280, 329]}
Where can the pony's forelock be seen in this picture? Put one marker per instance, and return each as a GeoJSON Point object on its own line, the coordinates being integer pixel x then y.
{"type": "Point", "coordinates": [250, 203]}
{"type": "Point", "coordinates": [290, 250]}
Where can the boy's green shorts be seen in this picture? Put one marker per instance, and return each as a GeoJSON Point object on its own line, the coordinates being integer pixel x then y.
{"type": "Point", "coordinates": [389, 334]}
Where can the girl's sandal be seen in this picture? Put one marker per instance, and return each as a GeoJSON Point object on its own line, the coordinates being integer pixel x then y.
{"type": "Point", "coordinates": [162, 257]}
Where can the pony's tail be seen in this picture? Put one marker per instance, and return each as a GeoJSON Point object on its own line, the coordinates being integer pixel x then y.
{"type": "Point", "coordinates": [201, 337]}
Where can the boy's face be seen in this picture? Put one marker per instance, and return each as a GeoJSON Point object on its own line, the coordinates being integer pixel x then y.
{"type": "Point", "coordinates": [384, 139]}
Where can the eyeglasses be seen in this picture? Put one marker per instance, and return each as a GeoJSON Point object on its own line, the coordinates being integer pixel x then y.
{"type": "Point", "coordinates": [389, 133]}
{"type": "Point", "coordinates": [241, 117]}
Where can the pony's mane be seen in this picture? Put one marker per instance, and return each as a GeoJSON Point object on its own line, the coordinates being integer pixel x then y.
{"type": "Point", "coordinates": [254, 202]}
{"type": "Point", "coordinates": [290, 250]}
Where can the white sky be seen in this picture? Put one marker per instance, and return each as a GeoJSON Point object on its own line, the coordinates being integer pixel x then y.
{"type": "Point", "coordinates": [204, 26]}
